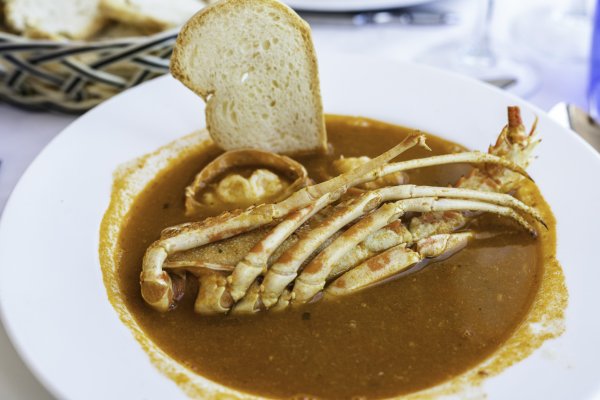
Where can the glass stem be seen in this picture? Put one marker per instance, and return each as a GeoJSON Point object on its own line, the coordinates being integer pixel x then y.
{"type": "Point", "coordinates": [478, 50]}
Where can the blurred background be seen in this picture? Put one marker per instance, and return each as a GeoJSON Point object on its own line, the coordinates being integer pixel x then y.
{"type": "Point", "coordinates": [541, 50]}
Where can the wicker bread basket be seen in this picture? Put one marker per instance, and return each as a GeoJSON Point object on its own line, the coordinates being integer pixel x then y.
{"type": "Point", "coordinates": [73, 76]}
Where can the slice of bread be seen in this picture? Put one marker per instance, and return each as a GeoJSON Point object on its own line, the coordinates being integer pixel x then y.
{"type": "Point", "coordinates": [254, 63]}
{"type": "Point", "coordinates": [62, 19]}
{"type": "Point", "coordinates": [151, 15]}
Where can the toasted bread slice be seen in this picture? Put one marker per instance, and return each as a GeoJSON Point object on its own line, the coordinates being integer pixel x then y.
{"type": "Point", "coordinates": [151, 15]}
{"type": "Point", "coordinates": [63, 19]}
{"type": "Point", "coordinates": [254, 63]}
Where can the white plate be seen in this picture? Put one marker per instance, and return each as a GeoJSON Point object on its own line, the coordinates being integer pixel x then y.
{"type": "Point", "coordinates": [53, 302]}
{"type": "Point", "coordinates": [350, 5]}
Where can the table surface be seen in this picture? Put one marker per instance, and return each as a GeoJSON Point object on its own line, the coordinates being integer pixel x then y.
{"type": "Point", "coordinates": [24, 134]}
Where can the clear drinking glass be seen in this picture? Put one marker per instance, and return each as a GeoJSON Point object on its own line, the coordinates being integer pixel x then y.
{"type": "Point", "coordinates": [561, 31]}
{"type": "Point", "coordinates": [478, 58]}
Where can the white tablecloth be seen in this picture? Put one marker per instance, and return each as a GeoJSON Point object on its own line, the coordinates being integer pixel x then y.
{"type": "Point", "coordinates": [24, 134]}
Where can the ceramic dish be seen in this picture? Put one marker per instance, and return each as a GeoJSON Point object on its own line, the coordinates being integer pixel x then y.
{"type": "Point", "coordinates": [52, 298]}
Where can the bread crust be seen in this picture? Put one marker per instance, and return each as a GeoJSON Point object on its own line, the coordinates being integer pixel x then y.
{"type": "Point", "coordinates": [186, 36]}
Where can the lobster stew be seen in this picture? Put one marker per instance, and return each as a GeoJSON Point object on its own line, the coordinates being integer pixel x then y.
{"type": "Point", "coordinates": [423, 326]}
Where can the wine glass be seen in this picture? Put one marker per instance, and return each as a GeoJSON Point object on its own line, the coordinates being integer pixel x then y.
{"type": "Point", "coordinates": [562, 32]}
{"type": "Point", "coordinates": [476, 57]}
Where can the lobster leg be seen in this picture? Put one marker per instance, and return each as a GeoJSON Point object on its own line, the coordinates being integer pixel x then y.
{"type": "Point", "coordinates": [394, 261]}
{"type": "Point", "coordinates": [314, 276]}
